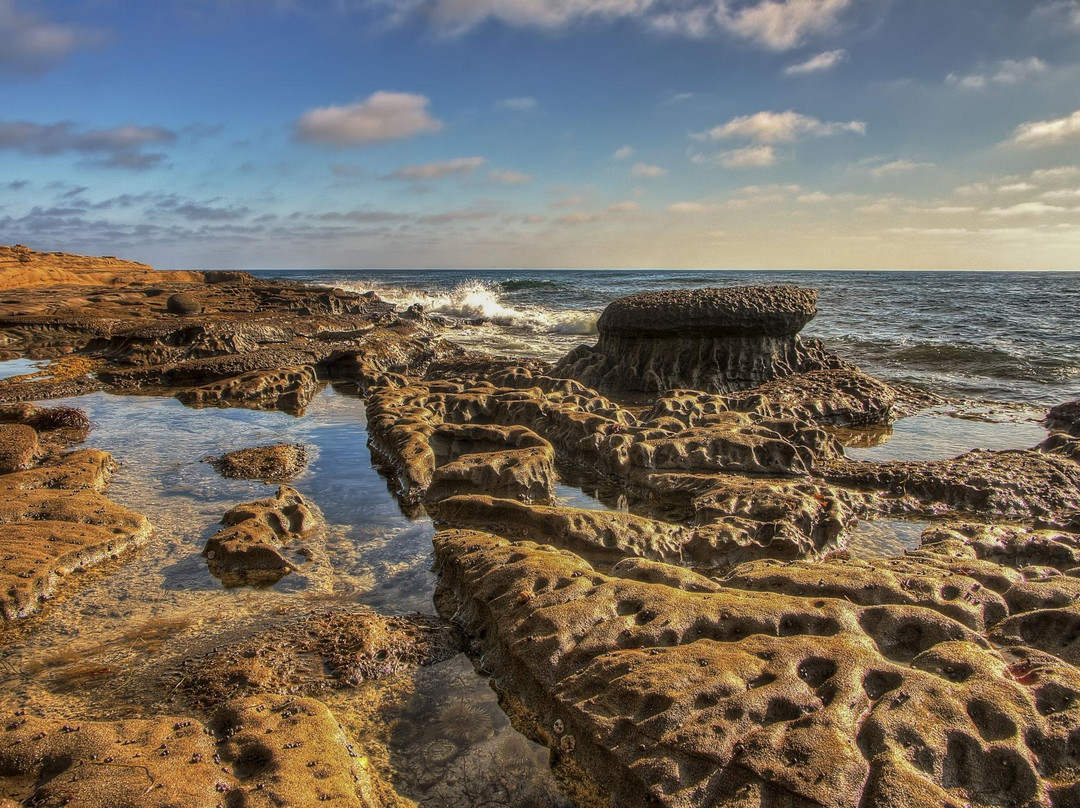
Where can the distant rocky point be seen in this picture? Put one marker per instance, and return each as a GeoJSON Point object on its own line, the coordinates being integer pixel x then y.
{"type": "Point", "coordinates": [22, 267]}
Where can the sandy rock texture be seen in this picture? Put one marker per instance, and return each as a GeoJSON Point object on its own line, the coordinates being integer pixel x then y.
{"type": "Point", "coordinates": [317, 652]}
{"type": "Point", "coordinates": [261, 751]}
{"type": "Point", "coordinates": [22, 267]}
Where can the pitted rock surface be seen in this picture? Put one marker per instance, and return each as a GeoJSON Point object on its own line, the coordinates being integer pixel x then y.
{"type": "Point", "coordinates": [812, 684]}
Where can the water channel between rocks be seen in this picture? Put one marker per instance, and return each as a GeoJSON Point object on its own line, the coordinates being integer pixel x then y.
{"type": "Point", "coordinates": [108, 647]}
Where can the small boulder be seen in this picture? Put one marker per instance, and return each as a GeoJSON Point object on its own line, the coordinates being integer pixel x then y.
{"type": "Point", "coordinates": [184, 304]}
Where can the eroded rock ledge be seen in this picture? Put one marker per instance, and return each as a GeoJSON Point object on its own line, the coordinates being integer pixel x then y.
{"type": "Point", "coordinates": [805, 684]}
{"type": "Point", "coordinates": [55, 521]}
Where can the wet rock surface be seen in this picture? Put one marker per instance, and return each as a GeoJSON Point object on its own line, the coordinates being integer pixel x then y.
{"type": "Point", "coordinates": [319, 652]}
{"type": "Point", "coordinates": [262, 541]}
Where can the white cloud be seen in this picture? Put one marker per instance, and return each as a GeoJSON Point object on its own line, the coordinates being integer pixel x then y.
{"type": "Point", "coordinates": [580, 217]}
{"type": "Point", "coordinates": [817, 64]}
{"type": "Point", "coordinates": [523, 104]}
{"type": "Point", "coordinates": [1062, 193]}
{"type": "Point", "coordinates": [509, 177]}
{"type": "Point", "coordinates": [942, 210]}
{"type": "Point", "coordinates": [1048, 133]}
{"type": "Point", "coordinates": [692, 207]}
{"type": "Point", "coordinates": [875, 208]}
{"type": "Point", "coordinates": [623, 153]}
{"type": "Point", "coordinates": [29, 44]}
{"type": "Point", "coordinates": [1016, 188]}
{"type": "Point", "coordinates": [438, 170]}
{"type": "Point", "coordinates": [646, 171]}
{"type": "Point", "coordinates": [383, 116]}
{"type": "Point", "coordinates": [897, 167]}
{"type": "Point", "coordinates": [975, 189]}
{"type": "Point", "coordinates": [1059, 174]}
{"type": "Point", "coordinates": [814, 198]}
{"type": "Point", "coordinates": [1008, 72]}
{"type": "Point", "coordinates": [628, 206]}
{"type": "Point", "coordinates": [783, 24]}
{"type": "Point", "coordinates": [748, 157]}
{"type": "Point", "coordinates": [779, 127]}
{"type": "Point", "coordinates": [1028, 209]}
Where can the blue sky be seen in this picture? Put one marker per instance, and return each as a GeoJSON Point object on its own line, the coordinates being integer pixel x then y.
{"type": "Point", "coordinates": [535, 133]}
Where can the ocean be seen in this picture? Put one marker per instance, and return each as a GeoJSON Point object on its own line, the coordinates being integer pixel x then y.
{"type": "Point", "coordinates": [1011, 337]}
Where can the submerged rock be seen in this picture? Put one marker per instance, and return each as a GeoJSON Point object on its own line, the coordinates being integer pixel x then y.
{"type": "Point", "coordinates": [278, 463]}
{"type": "Point", "coordinates": [718, 340]}
{"type": "Point", "coordinates": [251, 549]}
{"type": "Point", "coordinates": [319, 652]}
{"type": "Point", "coordinates": [55, 521]}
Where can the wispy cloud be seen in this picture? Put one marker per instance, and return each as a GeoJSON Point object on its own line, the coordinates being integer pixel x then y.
{"type": "Point", "coordinates": [623, 153]}
{"type": "Point", "coordinates": [772, 24]}
{"type": "Point", "coordinates": [1053, 132]}
{"type": "Point", "coordinates": [522, 104]}
{"type": "Point", "coordinates": [748, 157]}
{"type": "Point", "coordinates": [647, 171]}
{"type": "Point", "coordinates": [381, 117]}
{"type": "Point", "coordinates": [438, 170]}
{"type": "Point", "coordinates": [779, 127]}
{"type": "Point", "coordinates": [509, 177]}
{"type": "Point", "coordinates": [1029, 209]}
{"type": "Point", "coordinates": [818, 64]}
{"type": "Point", "coordinates": [117, 147]}
{"type": "Point", "coordinates": [897, 167]}
{"type": "Point", "coordinates": [32, 45]}
{"type": "Point", "coordinates": [1008, 72]}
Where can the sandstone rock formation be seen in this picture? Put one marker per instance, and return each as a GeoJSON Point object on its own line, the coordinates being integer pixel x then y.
{"type": "Point", "coordinates": [252, 548]}
{"type": "Point", "coordinates": [278, 463]}
{"type": "Point", "coordinates": [21, 267]}
{"type": "Point", "coordinates": [718, 340]}
{"type": "Point", "coordinates": [1064, 418]}
{"type": "Point", "coordinates": [55, 520]}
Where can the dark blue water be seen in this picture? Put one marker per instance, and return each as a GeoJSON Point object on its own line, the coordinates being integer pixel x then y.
{"type": "Point", "coordinates": [987, 336]}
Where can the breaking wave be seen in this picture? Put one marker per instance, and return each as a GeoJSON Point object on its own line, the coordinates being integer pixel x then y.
{"type": "Point", "coordinates": [478, 303]}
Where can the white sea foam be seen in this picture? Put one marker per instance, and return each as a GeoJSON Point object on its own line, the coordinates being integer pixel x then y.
{"type": "Point", "coordinates": [476, 300]}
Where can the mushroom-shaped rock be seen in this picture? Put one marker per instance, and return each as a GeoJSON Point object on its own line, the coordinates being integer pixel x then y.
{"type": "Point", "coordinates": [718, 340]}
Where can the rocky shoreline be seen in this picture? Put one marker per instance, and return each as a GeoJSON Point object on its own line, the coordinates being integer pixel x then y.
{"type": "Point", "coordinates": [716, 646]}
